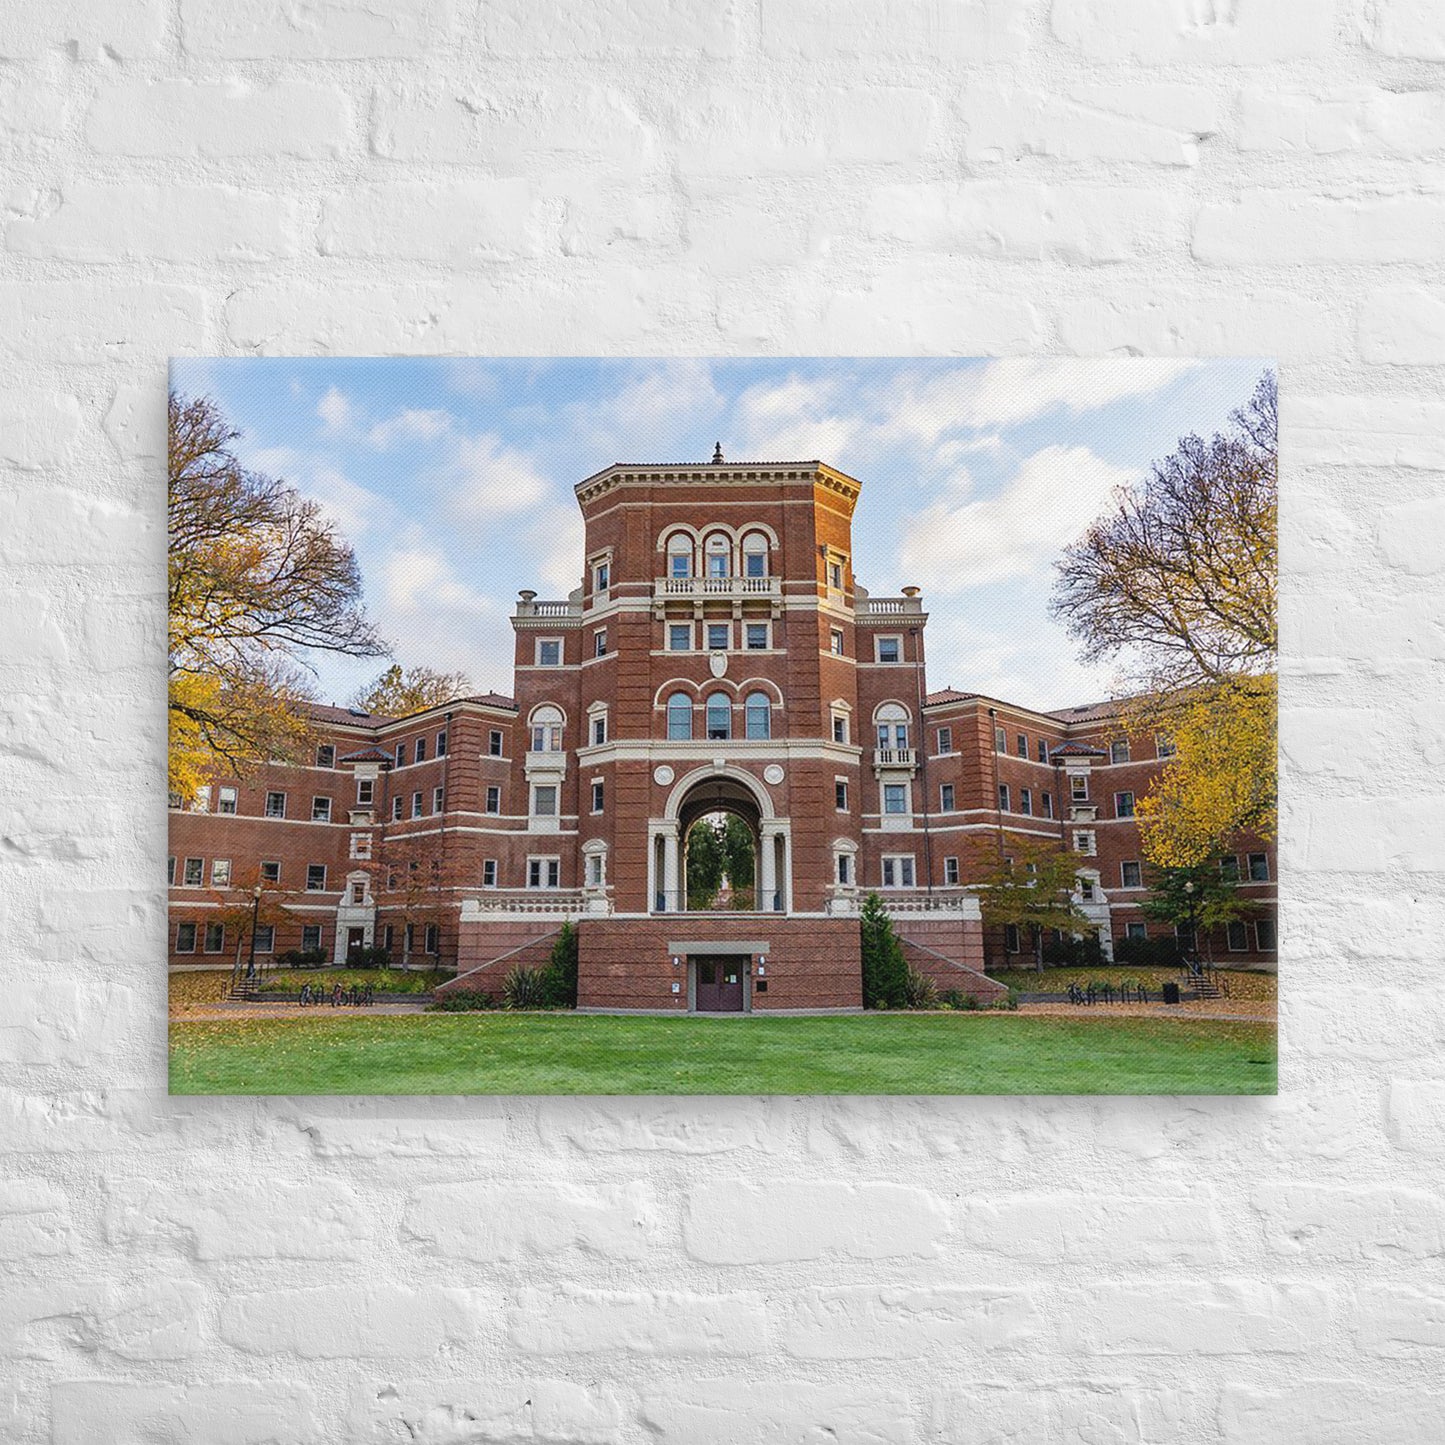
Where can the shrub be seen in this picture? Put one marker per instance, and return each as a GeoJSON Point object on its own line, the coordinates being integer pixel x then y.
{"type": "Point", "coordinates": [560, 975]}
{"type": "Point", "coordinates": [1069, 952]}
{"type": "Point", "coordinates": [970, 1002]}
{"type": "Point", "coordinates": [951, 998]}
{"type": "Point", "coordinates": [919, 990]}
{"type": "Point", "coordinates": [525, 988]}
{"type": "Point", "coordinates": [369, 958]}
{"type": "Point", "coordinates": [465, 1000]}
{"type": "Point", "coordinates": [885, 971]}
{"type": "Point", "coordinates": [1011, 1000]}
{"type": "Point", "coordinates": [1161, 952]}
{"type": "Point", "coordinates": [301, 958]}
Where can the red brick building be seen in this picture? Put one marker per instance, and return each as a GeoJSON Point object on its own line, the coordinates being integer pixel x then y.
{"type": "Point", "coordinates": [719, 656]}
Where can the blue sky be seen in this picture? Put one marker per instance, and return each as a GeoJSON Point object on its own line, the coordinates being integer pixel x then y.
{"type": "Point", "coordinates": [453, 479]}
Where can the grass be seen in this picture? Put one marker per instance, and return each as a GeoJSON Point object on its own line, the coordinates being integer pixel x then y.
{"type": "Point", "coordinates": [381, 980]}
{"type": "Point", "coordinates": [1242, 984]}
{"type": "Point", "coordinates": [938, 1053]}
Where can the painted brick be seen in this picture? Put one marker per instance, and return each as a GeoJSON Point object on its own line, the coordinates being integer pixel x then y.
{"type": "Point", "coordinates": [1280, 227]}
{"type": "Point", "coordinates": [576, 1320]}
{"type": "Point", "coordinates": [161, 1319]}
{"type": "Point", "coordinates": [1329, 1412]}
{"type": "Point", "coordinates": [84, 322]}
{"type": "Point", "coordinates": [1114, 1411]}
{"type": "Point", "coordinates": [126, 29]}
{"type": "Point", "coordinates": [498, 1412]}
{"type": "Point", "coordinates": [1402, 326]}
{"type": "Point", "coordinates": [328, 30]}
{"type": "Point", "coordinates": [963, 31]}
{"type": "Point", "coordinates": [34, 1220]}
{"type": "Point", "coordinates": [897, 1323]}
{"type": "Point", "coordinates": [667, 1126]}
{"type": "Point", "coordinates": [1411, 29]}
{"type": "Point", "coordinates": [720, 1412]}
{"type": "Point", "coordinates": [1319, 1222]}
{"type": "Point", "coordinates": [1245, 32]}
{"type": "Point", "coordinates": [1417, 1113]}
{"type": "Point", "coordinates": [648, 27]}
{"type": "Point", "coordinates": [1066, 1227]}
{"type": "Point", "coordinates": [1337, 121]}
{"type": "Point", "coordinates": [37, 429]}
{"type": "Point", "coordinates": [1386, 431]}
{"type": "Point", "coordinates": [108, 1412]}
{"type": "Point", "coordinates": [1398, 1321]}
{"type": "Point", "coordinates": [460, 223]}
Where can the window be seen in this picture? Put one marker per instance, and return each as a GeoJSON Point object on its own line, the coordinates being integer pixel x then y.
{"type": "Point", "coordinates": [1238, 936]}
{"type": "Point", "coordinates": [719, 636]}
{"type": "Point", "coordinates": [1000, 740]}
{"type": "Point", "coordinates": [840, 728]}
{"type": "Point", "coordinates": [275, 805]}
{"type": "Point", "coordinates": [185, 938]}
{"type": "Point", "coordinates": [271, 871]}
{"type": "Point", "coordinates": [679, 557]}
{"type": "Point", "coordinates": [1131, 875]}
{"type": "Point", "coordinates": [679, 637]}
{"type": "Point", "coordinates": [549, 652]}
{"type": "Point", "coordinates": [546, 730]}
{"type": "Point", "coordinates": [358, 892]}
{"type": "Point", "coordinates": [1003, 798]}
{"type": "Point", "coordinates": [950, 871]}
{"type": "Point", "coordinates": [1023, 746]}
{"type": "Point", "coordinates": [215, 937]}
{"type": "Point", "coordinates": [1123, 805]}
{"type": "Point", "coordinates": [1259, 868]}
{"type": "Point", "coordinates": [1119, 750]}
{"type": "Point", "coordinates": [1086, 889]}
{"type": "Point", "coordinates": [1164, 747]}
{"type": "Point", "coordinates": [895, 798]}
{"type": "Point", "coordinates": [326, 755]}
{"type": "Point", "coordinates": [226, 800]}
{"type": "Point", "coordinates": [835, 576]}
{"type": "Point", "coordinates": [945, 740]}
{"type": "Point", "coordinates": [321, 810]}
{"type": "Point", "coordinates": [1229, 868]}
{"type": "Point", "coordinates": [679, 717]}
{"type": "Point", "coordinates": [1043, 750]}
{"type": "Point", "coordinates": [409, 934]}
{"type": "Point", "coordinates": [438, 800]}
{"type": "Point", "coordinates": [719, 717]}
{"type": "Point", "coordinates": [945, 798]}
{"type": "Point", "coordinates": [758, 716]}
{"type": "Point", "coordinates": [1084, 842]}
{"type": "Point", "coordinates": [202, 803]}
{"type": "Point", "coordinates": [844, 867]}
{"type": "Point", "coordinates": [494, 799]}
{"type": "Point", "coordinates": [174, 800]}
{"type": "Point", "coordinates": [171, 871]}
{"type": "Point", "coordinates": [840, 794]}
{"type": "Point", "coordinates": [401, 755]}
{"type": "Point", "coordinates": [310, 937]}
{"type": "Point", "coordinates": [544, 800]}
{"type": "Point", "coordinates": [265, 938]}
{"type": "Point", "coordinates": [1011, 938]}
{"type": "Point", "coordinates": [598, 796]}
{"type": "Point", "coordinates": [1046, 801]}
{"type": "Point", "coordinates": [755, 636]}
{"type": "Point", "coordinates": [365, 791]}
{"type": "Point", "coordinates": [602, 579]}
{"type": "Point", "coordinates": [599, 642]}
{"type": "Point", "coordinates": [489, 873]}
{"type": "Point", "coordinates": [898, 871]}
{"type": "Point", "coordinates": [361, 845]}
{"type": "Point", "coordinates": [441, 744]}
{"type": "Point", "coordinates": [544, 873]}
{"type": "Point", "coordinates": [433, 938]}
{"type": "Point", "coordinates": [194, 873]}
{"type": "Point", "coordinates": [594, 875]}
{"type": "Point", "coordinates": [421, 750]}
{"type": "Point", "coordinates": [494, 742]}
{"type": "Point", "coordinates": [599, 728]}
{"type": "Point", "coordinates": [398, 807]}
{"type": "Point", "coordinates": [755, 555]}
{"type": "Point", "coordinates": [316, 877]}
{"type": "Point", "coordinates": [835, 641]}
{"type": "Point", "coordinates": [888, 649]}
{"type": "Point", "coordinates": [892, 721]}
{"type": "Point", "coordinates": [416, 807]}
{"type": "Point", "coordinates": [1026, 802]}
{"type": "Point", "coordinates": [1136, 930]}
{"type": "Point", "coordinates": [717, 557]}
{"type": "Point", "coordinates": [221, 873]}
{"type": "Point", "coordinates": [1079, 787]}
{"type": "Point", "coordinates": [1265, 935]}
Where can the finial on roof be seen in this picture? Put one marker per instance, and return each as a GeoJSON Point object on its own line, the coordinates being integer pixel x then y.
{"type": "Point", "coordinates": [717, 455]}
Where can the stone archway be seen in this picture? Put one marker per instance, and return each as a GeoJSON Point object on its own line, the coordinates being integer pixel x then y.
{"type": "Point", "coordinates": [720, 832]}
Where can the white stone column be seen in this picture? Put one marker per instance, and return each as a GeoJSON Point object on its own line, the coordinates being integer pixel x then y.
{"type": "Point", "coordinates": [670, 870]}
{"type": "Point", "coordinates": [767, 869]}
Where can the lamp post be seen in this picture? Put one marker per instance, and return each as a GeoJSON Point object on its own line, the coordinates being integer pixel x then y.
{"type": "Point", "coordinates": [1193, 930]}
{"type": "Point", "coordinates": [255, 914]}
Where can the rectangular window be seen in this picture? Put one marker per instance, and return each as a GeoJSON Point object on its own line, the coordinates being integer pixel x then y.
{"type": "Point", "coordinates": [194, 873]}
{"type": "Point", "coordinates": [599, 728]}
{"type": "Point", "coordinates": [358, 892]}
{"type": "Point", "coordinates": [316, 877]}
{"type": "Point", "coordinates": [756, 636]}
{"type": "Point", "coordinates": [835, 576]}
{"type": "Point", "coordinates": [494, 800]}
{"type": "Point", "coordinates": [544, 800]}
{"type": "Point", "coordinates": [326, 755]}
{"type": "Point", "coordinates": [215, 937]}
{"type": "Point", "coordinates": [494, 742]}
{"type": "Point", "coordinates": [1136, 930]}
{"type": "Point", "coordinates": [401, 755]}
{"type": "Point", "coordinates": [421, 750]}
{"type": "Point", "coordinates": [1023, 746]}
{"type": "Point", "coordinates": [1131, 875]}
{"type": "Point", "coordinates": [598, 796]}
{"type": "Point", "coordinates": [489, 873]}
{"type": "Point", "coordinates": [171, 871]}
{"type": "Point", "coordinates": [1238, 936]}
{"type": "Point", "coordinates": [310, 937]}
{"type": "Point", "coordinates": [1259, 867]}
{"type": "Point", "coordinates": [549, 652]}
{"type": "Point", "coordinates": [1079, 787]}
{"type": "Point", "coordinates": [226, 800]}
{"type": "Point", "coordinates": [599, 642]}
{"type": "Point", "coordinates": [544, 873]}
{"type": "Point", "coordinates": [679, 564]}
{"type": "Point", "coordinates": [1003, 798]}
{"type": "Point", "coordinates": [840, 794]}
{"type": "Point", "coordinates": [365, 792]}
{"type": "Point", "coordinates": [202, 803]}
{"type": "Point", "coordinates": [1084, 842]}
{"type": "Point", "coordinates": [895, 798]}
{"type": "Point", "coordinates": [1123, 805]}
{"type": "Point", "coordinates": [1229, 868]}
{"type": "Point", "coordinates": [275, 805]}
{"type": "Point", "coordinates": [1164, 747]}
{"type": "Point", "coordinates": [945, 798]}
{"type": "Point", "coordinates": [1026, 802]}
{"type": "Point", "coordinates": [845, 867]}
{"type": "Point", "coordinates": [271, 871]}
{"type": "Point", "coordinates": [717, 564]}
{"type": "Point", "coordinates": [898, 871]}
{"type": "Point", "coordinates": [265, 938]}
{"type": "Point", "coordinates": [438, 800]}
{"type": "Point", "coordinates": [441, 745]}
{"type": "Point", "coordinates": [1000, 740]}
{"type": "Point", "coordinates": [1086, 889]}
{"type": "Point", "coordinates": [185, 938]}
{"type": "Point", "coordinates": [321, 810]}
{"type": "Point", "coordinates": [888, 649]}
{"type": "Point", "coordinates": [835, 641]}
{"type": "Point", "coordinates": [840, 728]}
{"type": "Point", "coordinates": [361, 845]}
{"type": "Point", "coordinates": [221, 873]}
{"type": "Point", "coordinates": [679, 637]}
{"type": "Point", "coordinates": [1119, 750]}
{"type": "Point", "coordinates": [398, 808]}
{"type": "Point", "coordinates": [1043, 750]}
{"type": "Point", "coordinates": [950, 871]}
{"type": "Point", "coordinates": [719, 635]}
{"type": "Point", "coordinates": [1010, 938]}
{"type": "Point", "coordinates": [602, 579]}
{"type": "Point", "coordinates": [416, 805]}
{"type": "Point", "coordinates": [945, 740]}
{"type": "Point", "coordinates": [1265, 935]}
{"type": "Point", "coordinates": [1046, 801]}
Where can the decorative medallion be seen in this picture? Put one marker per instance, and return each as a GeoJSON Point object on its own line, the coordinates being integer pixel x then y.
{"type": "Point", "coordinates": [662, 775]}
{"type": "Point", "coordinates": [773, 773]}
{"type": "Point", "coordinates": [718, 661]}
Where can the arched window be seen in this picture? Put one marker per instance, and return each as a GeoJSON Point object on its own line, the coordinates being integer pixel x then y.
{"type": "Point", "coordinates": [719, 717]}
{"type": "Point", "coordinates": [679, 717]}
{"type": "Point", "coordinates": [719, 558]}
{"type": "Point", "coordinates": [547, 730]}
{"type": "Point", "coordinates": [679, 555]}
{"type": "Point", "coordinates": [755, 555]}
{"type": "Point", "coordinates": [892, 720]}
{"type": "Point", "coordinates": [758, 716]}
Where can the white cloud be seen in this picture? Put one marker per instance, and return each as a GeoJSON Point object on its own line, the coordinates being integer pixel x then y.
{"type": "Point", "coordinates": [795, 420]}
{"type": "Point", "coordinates": [335, 410]}
{"type": "Point", "coordinates": [556, 539]}
{"type": "Point", "coordinates": [413, 425]}
{"type": "Point", "coordinates": [486, 478]}
{"type": "Point", "coordinates": [1018, 532]}
{"type": "Point", "coordinates": [355, 509]}
{"type": "Point", "coordinates": [646, 416]}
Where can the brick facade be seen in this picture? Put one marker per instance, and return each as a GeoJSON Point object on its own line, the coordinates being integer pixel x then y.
{"type": "Point", "coordinates": [719, 655]}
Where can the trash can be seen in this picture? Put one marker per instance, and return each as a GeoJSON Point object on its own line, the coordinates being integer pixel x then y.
{"type": "Point", "coordinates": [1171, 993]}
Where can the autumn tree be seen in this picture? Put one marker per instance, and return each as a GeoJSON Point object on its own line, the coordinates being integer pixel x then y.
{"type": "Point", "coordinates": [1196, 897]}
{"type": "Point", "coordinates": [257, 580]}
{"type": "Point", "coordinates": [398, 692]}
{"type": "Point", "coordinates": [1032, 890]}
{"type": "Point", "coordinates": [1178, 580]}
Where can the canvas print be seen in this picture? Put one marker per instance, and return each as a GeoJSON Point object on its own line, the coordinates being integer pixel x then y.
{"type": "Point", "coordinates": [804, 725]}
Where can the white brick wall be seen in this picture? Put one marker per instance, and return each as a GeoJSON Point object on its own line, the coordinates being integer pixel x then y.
{"type": "Point", "coordinates": [997, 176]}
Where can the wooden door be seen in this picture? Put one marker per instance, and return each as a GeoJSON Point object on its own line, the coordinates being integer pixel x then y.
{"type": "Point", "coordinates": [719, 985]}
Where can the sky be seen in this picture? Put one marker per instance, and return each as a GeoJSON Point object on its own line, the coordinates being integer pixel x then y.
{"type": "Point", "coordinates": [452, 479]}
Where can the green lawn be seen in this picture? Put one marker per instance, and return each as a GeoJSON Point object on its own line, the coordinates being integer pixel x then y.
{"type": "Point", "coordinates": [1242, 982]}
{"type": "Point", "coordinates": [941, 1053]}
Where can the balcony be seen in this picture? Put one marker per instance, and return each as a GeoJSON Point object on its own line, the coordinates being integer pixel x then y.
{"type": "Point", "coordinates": [895, 760]}
{"type": "Point", "coordinates": [889, 607]}
{"type": "Point", "coordinates": [529, 606]}
{"type": "Point", "coordinates": [691, 588]}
